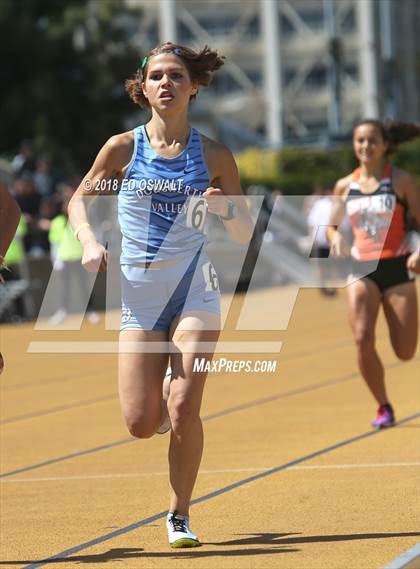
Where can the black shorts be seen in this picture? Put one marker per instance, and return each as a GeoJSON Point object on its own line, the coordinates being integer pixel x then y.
{"type": "Point", "coordinates": [319, 252]}
{"type": "Point", "coordinates": [389, 273]}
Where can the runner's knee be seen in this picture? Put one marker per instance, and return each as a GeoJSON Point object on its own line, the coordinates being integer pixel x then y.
{"type": "Point", "coordinates": [365, 339]}
{"type": "Point", "coordinates": [141, 427]}
{"type": "Point", "coordinates": [404, 351]}
{"type": "Point", "coordinates": [183, 412]}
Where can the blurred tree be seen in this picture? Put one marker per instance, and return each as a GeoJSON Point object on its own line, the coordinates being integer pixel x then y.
{"type": "Point", "coordinates": [64, 63]}
{"type": "Point", "coordinates": [297, 169]}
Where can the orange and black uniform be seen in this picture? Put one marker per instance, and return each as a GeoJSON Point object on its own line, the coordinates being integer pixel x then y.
{"type": "Point", "coordinates": [378, 221]}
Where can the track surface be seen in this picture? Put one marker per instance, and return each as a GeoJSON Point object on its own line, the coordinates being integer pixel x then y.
{"type": "Point", "coordinates": [292, 475]}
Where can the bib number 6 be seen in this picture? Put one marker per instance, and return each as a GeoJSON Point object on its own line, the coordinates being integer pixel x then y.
{"type": "Point", "coordinates": [196, 213]}
{"type": "Point", "coordinates": [210, 277]}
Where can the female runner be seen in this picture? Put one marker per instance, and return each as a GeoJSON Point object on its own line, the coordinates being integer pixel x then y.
{"type": "Point", "coordinates": [9, 220]}
{"type": "Point", "coordinates": [377, 198]}
{"type": "Point", "coordinates": [171, 176]}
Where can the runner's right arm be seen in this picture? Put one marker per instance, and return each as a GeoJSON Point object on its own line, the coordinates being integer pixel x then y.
{"type": "Point", "coordinates": [111, 162]}
{"type": "Point", "coordinates": [339, 246]}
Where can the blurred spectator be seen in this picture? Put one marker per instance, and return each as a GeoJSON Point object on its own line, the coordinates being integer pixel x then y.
{"type": "Point", "coordinates": [274, 231]}
{"type": "Point", "coordinates": [25, 160]}
{"type": "Point", "coordinates": [309, 201]}
{"type": "Point", "coordinates": [261, 210]}
{"type": "Point", "coordinates": [66, 255]}
{"type": "Point", "coordinates": [318, 219]}
{"type": "Point", "coordinates": [44, 179]}
{"type": "Point", "coordinates": [29, 202]}
{"type": "Point", "coordinates": [50, 207]}
{"type": "Point", "coordinates": [277, 202]}
{"type": "Point", "coordinates": [27, 197]}
{"type": "Point", "coordinates": [14, 257]}
{"type": "Point", "coordinates": [38, 212]}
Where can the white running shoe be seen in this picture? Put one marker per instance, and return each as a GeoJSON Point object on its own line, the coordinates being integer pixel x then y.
{"type": "Point", "coordinates": [58, 317]}
{"type": "Point", "coordinates": [179, 533]}
{"type": "Point", "coordinates": [165, 426]}
{"type": "Point", "coordinates": [93, 317]}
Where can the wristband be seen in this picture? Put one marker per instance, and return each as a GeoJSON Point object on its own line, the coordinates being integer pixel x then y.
{"type": "Point", "coordinates": [80, 227]}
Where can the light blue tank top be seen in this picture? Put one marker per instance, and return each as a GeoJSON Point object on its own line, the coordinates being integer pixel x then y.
{"type": "Point", "coordinates": [160, 211]}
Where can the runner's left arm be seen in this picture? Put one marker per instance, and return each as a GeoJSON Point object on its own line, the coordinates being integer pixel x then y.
{"type": "Point", "coordinates": [339, 246]}
{"type": "Point", "coordinates": [410, 192]}
{"type": "Point", "coordinates": [226, 199]}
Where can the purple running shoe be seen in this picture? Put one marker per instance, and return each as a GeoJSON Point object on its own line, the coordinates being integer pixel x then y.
{"type": "Point", "coordinates": [385, 417]}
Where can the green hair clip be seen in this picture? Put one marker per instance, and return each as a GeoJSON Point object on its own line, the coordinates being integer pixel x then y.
{"type": "Point", "coordinates": [144, 62]}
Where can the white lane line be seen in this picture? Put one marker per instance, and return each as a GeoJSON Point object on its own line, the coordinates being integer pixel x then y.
{"type": "Point", "coordinates": [90, 347]}
{"type": "Point", "coordinates": [369, 465]}
{"type": "Point", "coordinates": [408, 560]}
{"type": "Point", "coordinates": [218, 471]}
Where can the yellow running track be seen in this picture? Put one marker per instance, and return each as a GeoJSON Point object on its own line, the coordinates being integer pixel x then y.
{"type": "Point", "coordinates": [292, 474]}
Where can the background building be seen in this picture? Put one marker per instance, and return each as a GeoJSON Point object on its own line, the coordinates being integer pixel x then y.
{"type": "Point", "coordinates": [296, 70]}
